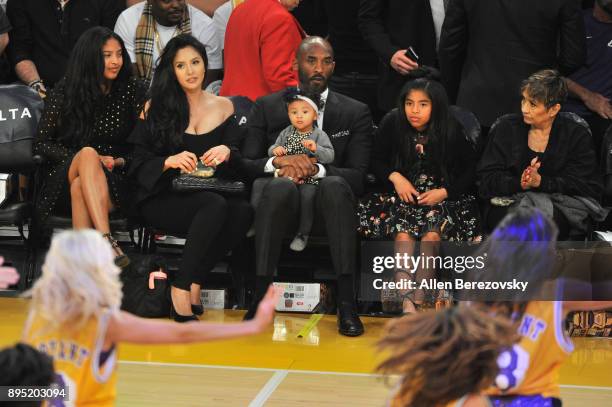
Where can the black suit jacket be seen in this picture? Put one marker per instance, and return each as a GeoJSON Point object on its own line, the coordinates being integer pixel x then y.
{"type": "Point", "coordinates": [347, 122]}
{"type": "Point", "coordinates": [391, 25]}
{"type": "Point", "coordinates": [488, 47]}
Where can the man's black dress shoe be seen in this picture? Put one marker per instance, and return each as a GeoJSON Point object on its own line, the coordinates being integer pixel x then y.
{"type": "Point", "coordinates": [349, 323]}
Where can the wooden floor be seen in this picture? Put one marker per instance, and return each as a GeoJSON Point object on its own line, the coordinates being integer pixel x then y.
{"type": "Point", "coordinates": [279, 369]}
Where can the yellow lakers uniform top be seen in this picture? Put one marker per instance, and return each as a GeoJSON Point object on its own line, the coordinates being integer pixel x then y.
{"type": "Point", "coordinates": [78, 359]}
{"type": "Point", "coordinates": [532, 366]}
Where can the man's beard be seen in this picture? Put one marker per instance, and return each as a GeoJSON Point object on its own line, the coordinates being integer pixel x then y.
{"type": "Point", "coordinates": [307, 86]}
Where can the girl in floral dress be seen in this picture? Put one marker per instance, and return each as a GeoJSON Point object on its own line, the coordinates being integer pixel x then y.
{"type": "Point", "coordinates": [428, 166]}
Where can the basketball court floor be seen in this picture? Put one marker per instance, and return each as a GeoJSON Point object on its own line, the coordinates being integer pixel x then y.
{"type": "Point", "coordinates": [279, 369]}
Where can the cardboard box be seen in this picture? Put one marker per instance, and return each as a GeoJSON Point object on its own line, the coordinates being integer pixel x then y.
{"type": "Point", "coordinates": [299, 297]}
{"type": "Point", "coordinates": [213, 299]}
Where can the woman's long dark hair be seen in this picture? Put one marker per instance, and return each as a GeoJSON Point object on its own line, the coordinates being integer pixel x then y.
{"type": "Point", "coordinates": [83, 83]}
{"type": "Point", "coordinates": [168, 114]}
{"type": "Point", "coordinates": [437, 131]}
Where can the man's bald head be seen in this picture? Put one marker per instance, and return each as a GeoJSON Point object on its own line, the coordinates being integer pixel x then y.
{"type": "Point", "coordinates": [312, 41]}
{"type": "Point", "coordinates": [314, 61]}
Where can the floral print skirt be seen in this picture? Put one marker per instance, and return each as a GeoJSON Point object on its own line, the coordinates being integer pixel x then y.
{"type": "Point", "coordinates": [383, 215]}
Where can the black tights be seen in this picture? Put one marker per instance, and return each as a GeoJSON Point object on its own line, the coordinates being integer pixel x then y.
{"type": "Point", "coordinates": [211, 223]}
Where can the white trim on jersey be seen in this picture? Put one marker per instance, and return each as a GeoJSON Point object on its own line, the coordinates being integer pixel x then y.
{"type": "Point", "coordinates": [562, 340]}
{"type": "Point", "coordinates": [109, 365]}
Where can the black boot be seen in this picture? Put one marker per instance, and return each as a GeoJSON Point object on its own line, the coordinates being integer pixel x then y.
{"type": "Point", "coordinates": [349, 323]}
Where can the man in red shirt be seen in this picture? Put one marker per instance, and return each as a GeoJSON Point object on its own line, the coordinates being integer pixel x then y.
{"type": "Point", "coordinates": [260, 44]}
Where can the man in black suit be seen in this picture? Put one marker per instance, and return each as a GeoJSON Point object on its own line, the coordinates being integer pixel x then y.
{"type": "Point", "coordinates": [488, 47]}
{"type": "Point", "coordinates": [348, 124]}
{"type": "Point", "coordinates": [390, 27]}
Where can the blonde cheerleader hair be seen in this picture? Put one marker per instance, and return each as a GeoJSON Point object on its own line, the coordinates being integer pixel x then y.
{"type": "Point", "coordinates": [79, 280]}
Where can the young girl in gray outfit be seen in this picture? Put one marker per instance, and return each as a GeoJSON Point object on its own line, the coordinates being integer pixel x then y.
{"type": "Point", "coordinates": [301, 137]}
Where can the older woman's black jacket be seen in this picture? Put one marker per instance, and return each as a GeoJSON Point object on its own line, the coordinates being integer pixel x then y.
{"type": "Point", "coordinates": [461, 156]}
{"type": "Point", "coordinates": [569, 164]}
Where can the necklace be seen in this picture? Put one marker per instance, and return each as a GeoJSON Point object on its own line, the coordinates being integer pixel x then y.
{"type": "Point", "coordinates": [158, 42]}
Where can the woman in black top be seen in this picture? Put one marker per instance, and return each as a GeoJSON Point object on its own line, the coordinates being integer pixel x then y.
{"type": "Point", "coordinates": [83, 133]}
{"type": "Point", "coordinates": [539, 151]}
{"type": "Point", "coordinates": [182, 125]}
{"type": "Point", "coordinates": [428, 166]}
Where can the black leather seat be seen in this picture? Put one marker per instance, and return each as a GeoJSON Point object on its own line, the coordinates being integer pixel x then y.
{"type": "Point", "coordinates": [15, 214]}
{"type": "Point", "coordinates": [17, 132]}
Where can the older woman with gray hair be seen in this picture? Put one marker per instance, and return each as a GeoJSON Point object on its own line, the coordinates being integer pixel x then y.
{"type": "Point", "coordinates": [542, 158]}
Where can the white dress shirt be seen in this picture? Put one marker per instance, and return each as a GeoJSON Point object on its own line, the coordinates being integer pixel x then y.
{"type": "Point", "coordinates": [437, 10]}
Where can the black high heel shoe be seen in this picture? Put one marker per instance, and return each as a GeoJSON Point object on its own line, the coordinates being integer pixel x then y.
{"type": "Point", "coordinates": [181, 318]}
{"type": "Point", "coordinates": [121, 260]}
{"type": "Point", "coordinates": [197, 309]}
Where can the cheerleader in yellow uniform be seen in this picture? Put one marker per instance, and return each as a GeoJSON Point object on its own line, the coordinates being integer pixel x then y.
{"type": "Point", "coordinates": [75, 318]}
{"type": "Point", "coordinates": [445, 357]}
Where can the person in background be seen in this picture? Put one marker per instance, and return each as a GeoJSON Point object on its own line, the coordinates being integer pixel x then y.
{"type": "Point", "coordinates": [260, 43]}
{"type": "Point", "coordinates": [207, 7]}
{"type": "Point", "coordinates": [590, 87]}
{"type": "Point", "coordinates": [146, 28]}
{"type": "Point", "coordinates": [76, 305]}
{"type": "Point", "coordinates": [487, 47]}
{"type": "Point", "coordinates": [543, 159]}
{"type": "Point", "coordinates": [82, 135]}
{"type": "Point", "coordinates": [524, 245]}
{"type": "Point", "coordinates": [302, 136]}
{"type": "Point", "coordinates": [349, 126]}
{"type": "Point", "coordinates": [183, 125]}
{"type": "Point", "coordinates": [44, 33]}
{"type": "Point", "coordinates": [311, 17]}
{"type": "Point", "coordinates": [428, 169]}
{"type": "Point", "coordinates": [22, 365]}
{"type": "Point", "coordinates": [221, 18]}
{"type": "Point", "coordinates": [444, 358]}
{"type": "Point", "coordinates": [515, 346]}
{"type": "Point", "coordinates": [356, 71]}
{"type": "Point", "coordinates": [390, 27]}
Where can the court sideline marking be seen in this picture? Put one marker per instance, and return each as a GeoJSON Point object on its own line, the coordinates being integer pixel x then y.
{"type": "Point", "coordinates": [269, 388]}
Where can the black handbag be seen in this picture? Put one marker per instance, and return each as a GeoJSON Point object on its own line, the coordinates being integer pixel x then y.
{"type": "Point", "coordinates": [146, 287]}
{"type": "Point", "coordinates": [191, 183]}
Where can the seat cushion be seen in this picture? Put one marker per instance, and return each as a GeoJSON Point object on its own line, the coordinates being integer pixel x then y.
{"type": "Point", "coordinates": [15, 214]}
